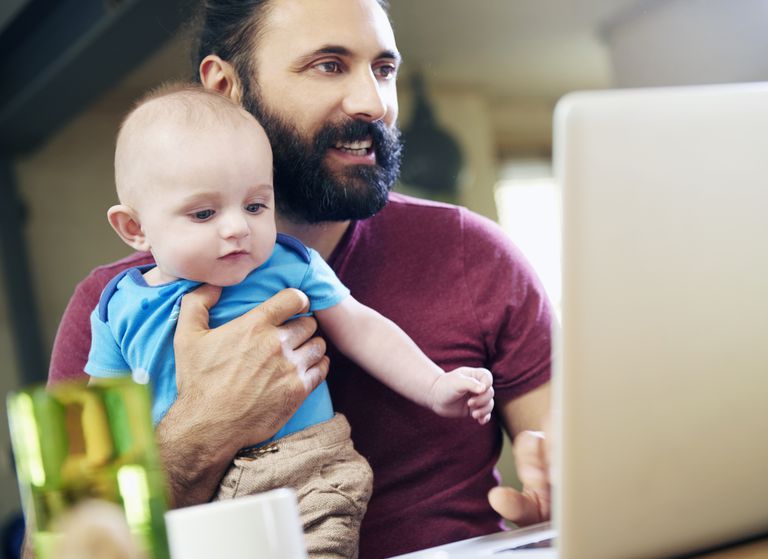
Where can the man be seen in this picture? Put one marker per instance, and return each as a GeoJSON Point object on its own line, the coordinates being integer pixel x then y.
{"type": "Point", "coordinates": [320, 76]}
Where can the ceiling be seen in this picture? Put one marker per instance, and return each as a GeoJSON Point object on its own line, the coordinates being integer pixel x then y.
{"type": "Point", "coordinates": [513, 52]}
{"type": "Point", "coordinates": [522, 53]}
{"type": "Point", "coordinates": [522, 48]}
{"type": "Point", "coordinates": [507, 48]}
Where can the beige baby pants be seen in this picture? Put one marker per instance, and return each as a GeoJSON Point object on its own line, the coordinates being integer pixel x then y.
{"type": "Point", "coordinates": [332, 482]}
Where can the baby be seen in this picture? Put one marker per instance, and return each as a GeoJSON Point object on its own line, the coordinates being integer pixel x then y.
{"type": "Point", "coordinates": [194, 177]}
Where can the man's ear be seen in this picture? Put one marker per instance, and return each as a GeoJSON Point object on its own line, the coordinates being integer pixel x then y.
{"type": "Point", "coordinates": [219, 75]}
{"type": "Point", "coordinates": [125, 222]}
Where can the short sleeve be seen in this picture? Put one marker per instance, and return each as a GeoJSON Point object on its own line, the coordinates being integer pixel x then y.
{"type": "Point", "coordinates": [321, 284]}
{"type": "Point", "coordinates": [511, 306]}
{"type": "Point", "coordinates": [105, 358]}
{"type": "Point", "coordinates": [73, 337]}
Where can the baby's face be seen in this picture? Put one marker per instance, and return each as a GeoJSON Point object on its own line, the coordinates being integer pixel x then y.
{"type": "Point", "coordinates": [208, 206]}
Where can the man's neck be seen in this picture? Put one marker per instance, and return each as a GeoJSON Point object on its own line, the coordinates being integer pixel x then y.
{"type": "Point", "coordinates": [323, 237]}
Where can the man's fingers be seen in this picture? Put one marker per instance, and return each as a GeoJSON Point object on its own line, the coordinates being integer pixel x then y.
{"type": "Point", "coordinates": [520, 508]}
{"type": "Point", "coordinates": [309, 353]}
{"type": "Point", "coordinates": [295, 333]}
{"type": "Point", "coordinates": [532, 462]}
{"type": "Point", "coordinates": [531, 458]}
{"type": "Point", "coordinates": [281, 306]}
{"type": "Point", "coordinates": [316, 374]}
{"type": "Point", "coordinates": [193, 314]}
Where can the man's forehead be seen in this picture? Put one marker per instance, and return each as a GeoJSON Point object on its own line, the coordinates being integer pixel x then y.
{"type": "Point", "coordinates": [302, 26]}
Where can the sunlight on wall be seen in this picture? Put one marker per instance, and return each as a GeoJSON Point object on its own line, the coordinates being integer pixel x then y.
{"type": "Point", "coordinates": [528, 201]}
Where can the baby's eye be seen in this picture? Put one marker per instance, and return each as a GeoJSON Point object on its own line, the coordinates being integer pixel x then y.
{"type": "Point", "coordinates": [254, 208]}
{"type": "Point", "coordinates": [203, 215]}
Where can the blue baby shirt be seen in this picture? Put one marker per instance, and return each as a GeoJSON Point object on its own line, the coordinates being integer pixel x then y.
{"type": "Point", "coordinates": [133, 326]}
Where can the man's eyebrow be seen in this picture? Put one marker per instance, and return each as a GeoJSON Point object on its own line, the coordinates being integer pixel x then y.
{"type": "Point", "coordinates": [344, 51]}
{"type": "Point", "coordinates": [393, 54]}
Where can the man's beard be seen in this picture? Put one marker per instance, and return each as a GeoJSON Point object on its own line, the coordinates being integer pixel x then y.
{"type": "Point", "coordinates": [306, 191]}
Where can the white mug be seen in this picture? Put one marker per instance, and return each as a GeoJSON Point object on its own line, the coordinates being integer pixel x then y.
{"type": "Point", "coordinates": [265, 525]}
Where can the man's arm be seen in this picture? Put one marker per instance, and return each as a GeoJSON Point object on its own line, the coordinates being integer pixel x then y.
{"type": "Point", "coordinates": [237, 385]}
{"type": "Point", "coordinates": [526, 419]}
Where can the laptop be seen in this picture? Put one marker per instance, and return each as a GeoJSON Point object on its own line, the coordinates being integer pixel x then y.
{"type": "Point", "coordinates": [661, 364]}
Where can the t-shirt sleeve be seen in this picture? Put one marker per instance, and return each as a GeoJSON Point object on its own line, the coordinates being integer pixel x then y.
{"type": "Point", "coordinates": [511, 305]}
{"type": "Point", "coordinates": [321, 285]}
{"type": "Point", "coordinates": [105, 358]}
{"type": "Point", "coordinates": [73, 338]}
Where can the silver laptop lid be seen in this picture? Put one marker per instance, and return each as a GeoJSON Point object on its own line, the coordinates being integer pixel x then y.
{"type": "Point", "coordinates": [662, 367]}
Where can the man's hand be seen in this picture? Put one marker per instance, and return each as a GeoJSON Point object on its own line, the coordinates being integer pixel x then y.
{"type": "Point", "coordinates": [466, 391]}
{"type": "Point", "coordinates": [237, 385]}
{"type": "Point", "coordinates": [534, 503]}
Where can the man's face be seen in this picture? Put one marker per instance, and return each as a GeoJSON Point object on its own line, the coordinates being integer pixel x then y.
{"type": "Point", "coordinates": [325, 93]}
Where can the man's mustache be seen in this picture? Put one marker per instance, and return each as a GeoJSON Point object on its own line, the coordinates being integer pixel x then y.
{"type": "Point", "coordinates": [352, 131]}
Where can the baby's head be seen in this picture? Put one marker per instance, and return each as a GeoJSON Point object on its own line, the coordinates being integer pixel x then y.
{"type": "Point", "coordinates": [194, 177]}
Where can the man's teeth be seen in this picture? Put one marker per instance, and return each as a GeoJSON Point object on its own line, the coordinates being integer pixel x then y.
{"type": "Point", "coordinates": [359, 147]}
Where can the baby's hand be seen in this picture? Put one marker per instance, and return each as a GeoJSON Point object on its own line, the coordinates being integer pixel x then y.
{"type": "Point", "coordinates": [466, 391]}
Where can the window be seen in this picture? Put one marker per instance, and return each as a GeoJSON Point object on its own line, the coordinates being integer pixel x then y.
{"type": "Point", "coordinates": [528, 202]}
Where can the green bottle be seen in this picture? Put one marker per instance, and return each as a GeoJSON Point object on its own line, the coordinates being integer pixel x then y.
{"type": "Point", "coordinates": [74, 443]}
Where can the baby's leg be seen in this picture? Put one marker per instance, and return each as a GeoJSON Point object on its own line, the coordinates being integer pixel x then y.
{"type": "Point", "coordinates": [334, 498]}
{"type": "Point", "coordinates": [332, 481]}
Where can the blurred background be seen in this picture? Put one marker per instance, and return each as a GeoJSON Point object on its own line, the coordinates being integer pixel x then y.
{"type": "Point", "coordinates": [477, 90]}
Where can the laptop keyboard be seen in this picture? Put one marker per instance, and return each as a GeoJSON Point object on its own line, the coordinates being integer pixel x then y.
{"type": "Point", "coordinates": [540, 544]}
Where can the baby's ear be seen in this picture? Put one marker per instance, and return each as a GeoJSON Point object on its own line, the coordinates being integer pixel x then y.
{"type": "Point", "coordinates": [125, 221]}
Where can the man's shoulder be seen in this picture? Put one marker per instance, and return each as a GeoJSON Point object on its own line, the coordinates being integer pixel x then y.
{"type": "Point", "coordinates": [402, 203]}
{"type": "Point", "coordinates": [430, 217]}
{"type": "Point", "coordinates": [89, 289]}
{"type": "Point", "coordinates": [106, 272]}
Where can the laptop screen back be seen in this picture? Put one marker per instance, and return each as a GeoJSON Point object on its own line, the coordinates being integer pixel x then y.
{"type": "Point", "coordinates": [662, 363]}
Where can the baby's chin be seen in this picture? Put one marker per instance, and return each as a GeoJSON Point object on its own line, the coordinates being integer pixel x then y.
{"type": "Point", "coordinates": [227, 280]}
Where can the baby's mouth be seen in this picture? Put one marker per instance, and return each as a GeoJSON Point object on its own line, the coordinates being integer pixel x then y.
{"type": "Point", "coordinates": [234, 253]}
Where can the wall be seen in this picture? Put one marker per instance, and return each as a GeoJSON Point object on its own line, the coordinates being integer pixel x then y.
{"type": "Point", "coordinates": [522, 127]}
{"type": "Point", "coordinates": [68, 187]}
{"type": "Point", "coordinates": [9, 379]}
{"type": "Point", "coordinates": [679, 42]}
{"type": "Point", "coordinates": [465, 115]}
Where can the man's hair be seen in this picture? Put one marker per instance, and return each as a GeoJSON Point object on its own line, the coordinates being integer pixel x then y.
{"type": "Point", "coordinates": [231, 29]}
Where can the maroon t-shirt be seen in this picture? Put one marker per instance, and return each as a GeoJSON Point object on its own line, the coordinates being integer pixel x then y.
{"type": "Point", "coordinates": [452, 280]}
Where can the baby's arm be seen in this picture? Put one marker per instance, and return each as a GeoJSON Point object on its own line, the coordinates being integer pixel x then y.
{"type": "Point", "coordinates": [379, 346]}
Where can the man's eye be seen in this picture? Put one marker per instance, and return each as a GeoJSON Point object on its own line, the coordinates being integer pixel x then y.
{"type": "Point", "coordinates": [387, 71]}
{"type": "Point", "coordinates": [203, 215]}
{"type": "Point", "coordinates": [331, 67]}
{"type": "Point", "coordinates": [254, 208]}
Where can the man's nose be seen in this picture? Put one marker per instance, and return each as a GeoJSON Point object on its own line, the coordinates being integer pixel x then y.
{"type": "Point", "coordinates": [364, 99]}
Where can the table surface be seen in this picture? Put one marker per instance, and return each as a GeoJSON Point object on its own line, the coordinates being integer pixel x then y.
{"type": "Point", "coordinates": [757, 549]}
